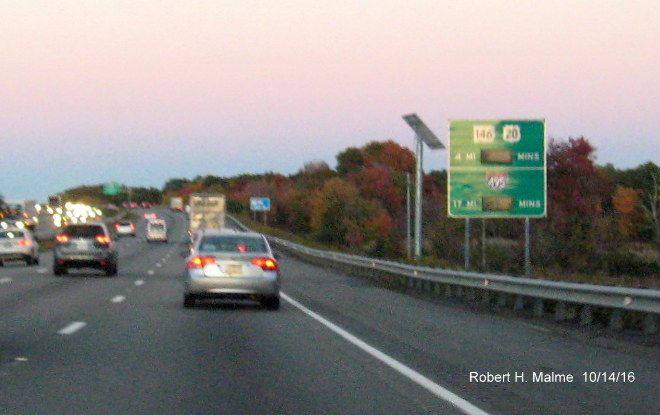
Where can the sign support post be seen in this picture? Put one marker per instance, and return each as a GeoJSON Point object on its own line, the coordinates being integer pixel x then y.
{"type": "Point", "coordinates": [408, 236]}
{"type": "Point", "coordinates": [419, 172]}
{"type": "Point", "coordinates": [467, 243]}
{"type": "Point", "coordinates": [528, 261]}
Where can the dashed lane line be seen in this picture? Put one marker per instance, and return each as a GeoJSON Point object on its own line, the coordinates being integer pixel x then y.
{"type": "Point", "coordinates": [72, 328]}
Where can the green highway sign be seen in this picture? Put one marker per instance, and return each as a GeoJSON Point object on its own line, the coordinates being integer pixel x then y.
{"type": "Point", "coordinates": [111, 189]}
{"type": "Point", "coordinates": [497, 168]}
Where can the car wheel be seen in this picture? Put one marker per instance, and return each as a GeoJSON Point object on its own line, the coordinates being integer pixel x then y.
{"type": "Point", "coordinates": [59, 270]}
{"type": "Point", "coordinates": [271, 303]}
{"type": "Point", "coordinates": [189, 301]}
{"type": "Point", "coordinates": [111, 270]}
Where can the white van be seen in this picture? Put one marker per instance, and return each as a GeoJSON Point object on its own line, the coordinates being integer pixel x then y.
{"type": "Point", "coordinates": [156, 230]}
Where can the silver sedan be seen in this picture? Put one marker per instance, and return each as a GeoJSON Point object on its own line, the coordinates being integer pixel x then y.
{"type": "Point", "coordinates": [18, 244]}
{"type": "Point", "coordinates": [231, 264]}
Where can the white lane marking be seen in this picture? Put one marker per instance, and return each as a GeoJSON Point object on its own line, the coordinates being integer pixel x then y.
{"type": "Point", "coordinates": [42, 271]}
{"type": "Point", "coordinates": [139, 282]}
{"type": "Point", "coordinates": [442, 393]}
{"type": "Point", "coordinates": [5, 280]}
{"type": "Point", "coordinates": [118, 299]}
{"type": "Point", "coordinates": [151, 272]}
{"type": "Point", "coordinates": [72, 328]}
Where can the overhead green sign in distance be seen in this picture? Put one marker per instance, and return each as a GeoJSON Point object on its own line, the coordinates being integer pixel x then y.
{"type": "Point", "coordinates": [111, 189]}
{"type": "Point", "coordinates": [497, 168]}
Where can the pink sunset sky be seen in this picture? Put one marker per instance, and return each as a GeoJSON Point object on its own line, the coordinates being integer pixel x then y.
{"type": "Point", "coordinates": [141, 91]}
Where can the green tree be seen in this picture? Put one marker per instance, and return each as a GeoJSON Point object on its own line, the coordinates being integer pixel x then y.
{"type": "Point", "coordinates": [350, 160]}
{"type": "Point", "coordinates": [174, 185]}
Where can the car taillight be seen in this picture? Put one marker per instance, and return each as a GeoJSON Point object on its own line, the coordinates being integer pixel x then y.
{"type": "Point", "coordinates": [102, 239]}
{"type": "Point", "coordinates": [25, 242]}
{"type": "Point", "coordinates": [62, 238]}
{"type": "Point", "coordinates": [132, 226]}
{"type": "Point", "coordinates": [117, 226]}
{"type": "Point", "coordinates": [200, 262]}
{"type": "Point", "coordinates": [266, 264]}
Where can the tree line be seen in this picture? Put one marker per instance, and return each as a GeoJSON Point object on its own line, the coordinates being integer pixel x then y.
{"type": "Point", "coordinates": [600, 218]}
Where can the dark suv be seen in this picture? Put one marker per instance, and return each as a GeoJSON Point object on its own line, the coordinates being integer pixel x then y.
{"type": "Point", "coordinates": [85, 245]}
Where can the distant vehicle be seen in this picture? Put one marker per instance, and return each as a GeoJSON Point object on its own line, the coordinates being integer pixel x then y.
{"type": "Point", "coordinates": [125, 228]}
{"type": "Point", "coordinates": [54, 200]}
{"type": "Point", "coordinates": [23, 211]}
{"type": "Point", "coordinates": [207, 211]}
{"type": "Point", "coordinates": [18, 245]}
{"type": "Point", "coordinates": [156, 230]}
{"type": "Point", "coordinates": [150, 215]}
{"type": "Point", "coordinates": [147, 205]}
{"type": "Point", "coordinates": [87, 245]}
{"type": "Point", "coordinates": [229, 264]}
{"type": "Point", "coordinates": [176, 203]}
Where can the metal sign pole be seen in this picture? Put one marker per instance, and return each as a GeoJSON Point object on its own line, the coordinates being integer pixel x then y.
{"type": "Point", "coordinates": [528, 261]}
{"type": "Point", "coordinates": [483, 243]}
{"type": "Point", "coordinates": [418, 199]}
{"type": "Point", "coordinates": [467, 243]}
{"type": "Point", "coordinates": [422, 135]}
{"type": "Point", "coordinates": [408, 236]}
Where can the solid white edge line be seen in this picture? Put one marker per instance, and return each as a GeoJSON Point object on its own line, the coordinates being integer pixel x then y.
{"type": "Point", "coordinates": [5, 280]}
{"type": "Point", "coordinates": [72, 328]}
{"type": "Point", "coordinates": [442, 393]}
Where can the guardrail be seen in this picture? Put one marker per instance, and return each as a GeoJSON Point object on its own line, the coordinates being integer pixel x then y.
{"type": "Point", "coordinates": [565, 301]}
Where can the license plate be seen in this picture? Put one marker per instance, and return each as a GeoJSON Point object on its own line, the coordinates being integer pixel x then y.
{"type": "Point", "coordinates": [234, 269]}
{"type": "Point", "coordinates": [8, 244]}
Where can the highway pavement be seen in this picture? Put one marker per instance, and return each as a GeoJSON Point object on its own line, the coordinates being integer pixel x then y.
{"type": "Point", "coordinates": [90, 344]}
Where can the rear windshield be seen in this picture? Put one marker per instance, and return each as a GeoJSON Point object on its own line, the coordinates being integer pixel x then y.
{"type": "Point", "coordinates": [125, 223]}
{"type": "Point", "coordinates": [89, 231]}
{"type": "Point", "coordinates": [11, 234]}
{"type": "Point", "coordinates": [233, 243]}
{"type": "Point", "coordinates": [156, 227]}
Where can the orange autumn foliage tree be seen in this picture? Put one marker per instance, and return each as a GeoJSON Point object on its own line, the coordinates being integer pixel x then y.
{"type": "Point", "coordinates": [626, 202]}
